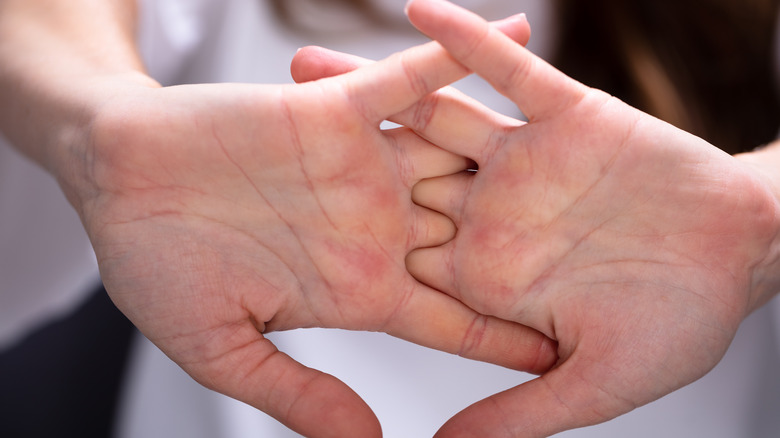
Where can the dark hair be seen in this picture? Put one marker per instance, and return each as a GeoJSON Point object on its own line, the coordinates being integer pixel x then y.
{"type": "Point", "coordinates": [703, 65]}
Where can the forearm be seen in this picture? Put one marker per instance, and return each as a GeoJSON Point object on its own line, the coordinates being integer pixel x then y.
{"type": "Point", "coordinates": [59, 62]}
{"type": "Point", "coordinates": [766, 278]}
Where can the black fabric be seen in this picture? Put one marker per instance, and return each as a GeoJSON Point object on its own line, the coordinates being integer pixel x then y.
{"type": "Point", "coordinates": [63, 380]}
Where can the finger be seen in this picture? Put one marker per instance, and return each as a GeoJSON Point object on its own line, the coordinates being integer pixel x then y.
{"type": "Point", "coordinates": [445, 194]}
{"type": "Point", "coordinates": [561, 399]}
{"type": "Point", "coordinates": [419, 159]}
{"type": "Point", "coordinates": [535, 86]}
{"type": "Point", "coordinates": [306, 400]}
{"type": "Point", "coordinates": [312, 63]}
{"type": "Point", "coordinates": [446, 117]}
{"type": "Point", "coordinates": [387, 87]}
{"type": "Point", "coordinates": [431, 229]}
{"type": "Point", "coordinates": [458, 123]}
{"type": "Point", "coordinates": [435, 320]}
{"type": "Point", "coordinates": [431, 266]}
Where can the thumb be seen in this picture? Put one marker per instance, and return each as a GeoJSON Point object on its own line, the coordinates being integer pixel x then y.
{"type": "Point", "coordinates": [562, 399]}
{"type": "Point", "coordinates": [307, 401]}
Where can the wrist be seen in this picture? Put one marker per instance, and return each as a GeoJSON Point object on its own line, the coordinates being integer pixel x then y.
{"type": "Point", "coordinates": [765, 279]}
{"type": "Point", "coordinates": [60, 63]}
{"type": "Point", "coordinates": [68, 152]}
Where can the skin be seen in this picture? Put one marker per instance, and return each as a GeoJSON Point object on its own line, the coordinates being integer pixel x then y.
{"type": "Point", "coordinates": [639, 248]}
{"type": "Point", "coordinates": [219, 213]}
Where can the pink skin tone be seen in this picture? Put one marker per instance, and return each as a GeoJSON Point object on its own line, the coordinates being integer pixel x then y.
{"type": "Point", "coordinates": [637, 247]}
{"type": "Point", "coordinates": [219, 213]}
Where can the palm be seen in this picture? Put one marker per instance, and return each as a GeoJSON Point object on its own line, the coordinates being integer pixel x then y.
{"type": "Point", "coordinates": [571, 231]}
{"type": "Point", "coordinates": [628, 241]}
{"type": "Point", "coordinates": [220, 212]}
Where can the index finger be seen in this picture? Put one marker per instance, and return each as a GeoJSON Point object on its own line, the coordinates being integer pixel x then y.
{"type": "Point", "coordinates": [535, 86]}
{"type": "Point", "coordinates": [387, 87]}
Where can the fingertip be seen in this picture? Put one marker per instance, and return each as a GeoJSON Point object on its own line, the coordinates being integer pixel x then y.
{"type": "Point", "coordinates": [516, 27]}
{"type": "Point", "coordinates": [306, 53]}
{"type": "Point", "coordinates": [416, 262]}
{"type": "Point", "coordinates": [313, 62]}
{"type": "Point", "coordinates": [411, 5]}
{"type": "Point", "coordinates": [423, 13]}
{"type": "Point", "coordinates": [335, 411]}
{"type": "Point", "coordinates": [304, 63]}
{"type": "Point", "coordinates": [445, 194]}
{"type": "Point", "coordinates": [434, 229]}
{"type": "Point", "coordinates": [407, 6]}
{"type": "Point", "coordinates": [546, 355]}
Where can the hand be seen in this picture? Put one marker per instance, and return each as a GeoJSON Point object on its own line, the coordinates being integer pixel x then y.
{"type": "Point", "coordinates": [222, 212]}
{"type": "Point", "coordinates": [633, 244]}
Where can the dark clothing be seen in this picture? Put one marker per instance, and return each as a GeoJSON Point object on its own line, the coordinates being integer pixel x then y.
{"type": "Point", "coordinates": [63, 380]}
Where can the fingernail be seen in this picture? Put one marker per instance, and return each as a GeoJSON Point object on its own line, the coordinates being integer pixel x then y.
{"type": "Point", "coordinates": [406, 8]}
{"type": "Point", "coordinates": [517, 17]}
